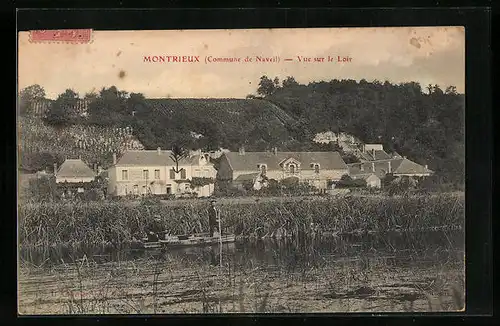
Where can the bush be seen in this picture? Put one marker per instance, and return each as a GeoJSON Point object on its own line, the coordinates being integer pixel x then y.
{"type": "Point", "coordinates": [150, 200]}
{"type": "Point", "coordinates": [166, 197]}
{"type": "Point", "coordinates": [91, 195]}
{"type": "Point", "coordinates": [43, 189]}
{"type": "Point", "coordinates": [347, 182]}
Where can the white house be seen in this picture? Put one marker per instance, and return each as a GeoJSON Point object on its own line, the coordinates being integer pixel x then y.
{"type": "Point", "coordinates": [154, 172]}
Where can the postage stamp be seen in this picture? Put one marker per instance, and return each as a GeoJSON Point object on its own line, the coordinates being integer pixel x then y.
{"type": "Point", "coordinates": [309, 170]}
{"type": "Point", "coordinates": [61, 35]}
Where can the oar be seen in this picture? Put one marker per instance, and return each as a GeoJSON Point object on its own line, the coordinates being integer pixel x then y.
{"type": "Point", "coordinates": [220, 238]}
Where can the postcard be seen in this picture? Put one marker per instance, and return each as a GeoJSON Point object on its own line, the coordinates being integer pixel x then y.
{"type": "Point", "coordinates": [313, 170]}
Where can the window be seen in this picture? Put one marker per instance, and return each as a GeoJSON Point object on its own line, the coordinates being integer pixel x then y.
{"type": "Point", "coordinates": [183, 174]}
{"type": "Point", "coordinates": [136, 189]}
{"type": "Point", "coordinates": [316, 168]}
{"type": "Point", "coordinates": [157, 174]}
{"type": "Point", "coordinates": [172, 174]}
{"type": "Point", "coordinates": [145, 174]}
{"type": "Point", "coordinates": [197, 173]}
{"type": "Point", "coordinates": [124, 175]}
{"type": "Point", "coordinates": [292, 168]}
{"type": "Point", "coordinates": [263, 169]}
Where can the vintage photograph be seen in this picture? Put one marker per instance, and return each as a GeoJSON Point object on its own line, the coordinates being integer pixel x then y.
{"type": "Point", "coordinates": [309, 170]}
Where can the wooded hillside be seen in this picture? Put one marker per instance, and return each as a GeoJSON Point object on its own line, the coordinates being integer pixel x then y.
{"type": "Point", "coordinates": [427, 125]}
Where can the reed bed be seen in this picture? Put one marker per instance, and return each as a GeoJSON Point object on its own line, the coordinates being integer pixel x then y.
{"type": "Point", "coordinates": [47, 230]}
{"type": "Point", "coordinates": [170, 284]}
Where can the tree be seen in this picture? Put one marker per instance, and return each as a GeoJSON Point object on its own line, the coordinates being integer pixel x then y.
{"type": "Point", "coordinates": [29, 95]}
{"type": "Point", "coordinates": [451, 90]}
{"type": "Point", "coordinates": [91, 96]}
{"type": "Point", "coordinates": [266, 86]}
{"type": "Point", "coordinates": [437, 90]}
{"type": "Point", "coordinates": [110, 107]}
{"type": "Point", "coordinates": [289, 82]}
{"type": "Point", "coordinates": [63, 110]}
{"type": "Point", "coordinates": [178, 153]}
{"type": "Point", "coordinates": [276, 82]}
{"type": "Point", "coordinates": [136, 103]}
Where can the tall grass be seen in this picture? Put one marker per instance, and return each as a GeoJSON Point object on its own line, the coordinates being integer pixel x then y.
{"type": "Point", "coordinates": [53, 229]}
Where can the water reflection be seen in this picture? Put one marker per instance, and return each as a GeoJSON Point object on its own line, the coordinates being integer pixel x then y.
{"type": "Point", "coordinates": [392, 248]}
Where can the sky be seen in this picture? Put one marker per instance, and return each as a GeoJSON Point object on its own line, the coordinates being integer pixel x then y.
{"type": "Point", "coordinates": [426, 55]}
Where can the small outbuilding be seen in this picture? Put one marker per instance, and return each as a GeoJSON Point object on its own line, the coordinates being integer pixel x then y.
{"type": "Point", "coordinates": [74, 171]}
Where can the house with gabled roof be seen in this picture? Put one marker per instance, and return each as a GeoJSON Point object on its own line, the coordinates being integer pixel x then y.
{"type": "Point", "coordinates": [141, 172]}
{"type": "Point", "coordinates": [396, 166]}
{"type": "Point", "coordinates": [315, 168]}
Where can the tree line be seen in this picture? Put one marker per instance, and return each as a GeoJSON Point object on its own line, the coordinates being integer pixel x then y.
{"type": "Point", "coordinates": [427, 126]}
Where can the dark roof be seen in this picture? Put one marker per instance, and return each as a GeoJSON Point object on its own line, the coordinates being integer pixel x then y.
{"type": "Point", "coordinates": [247, 177]}
{"type": "Point", "coordinates": [375, 155]}
{"type": "Point", "coordinates": [75, 168]}
{"type": "Point", "coordinates": [250, 160]}
{"type": "Point", "coordinates": [152, 157]}
{"type": "Point", "coordinates": [408, 167]}
{"type": "Point", "coordinates": [398, 166]}
{"type": "Point", "coordinates": [365, 156]}
{"type": "Point", "coordinates": [381, 155]}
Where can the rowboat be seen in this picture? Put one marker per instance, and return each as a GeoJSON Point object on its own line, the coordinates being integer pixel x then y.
{"type": "Point", "coordinates": [198, 239]}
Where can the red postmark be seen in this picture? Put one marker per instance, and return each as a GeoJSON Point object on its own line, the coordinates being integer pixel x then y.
{"type": "Point", "coordinates": [62, 35]}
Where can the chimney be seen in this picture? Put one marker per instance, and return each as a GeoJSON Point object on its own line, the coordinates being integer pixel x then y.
{"type": "Point", "coordinates": [55, 168]}
{"type": "Point", "coordinates": [242, 150]}
{"type": "Point", "coordinates": [361, 167]}
{"type": "Point", "coordinates": [373, 167]}
{"type": "Point", "coordinates": [389, 167]}
{"type": "Point", "coordinates": [159, 150]}
{"type": "Point", "coordinates": [404, 157]}
{"type": "Point", "coordinates": [114, 159]}
{"type": "Point", "coordinates": [426, 167]}
{"type": "Point", "coordinates": [275, 150]}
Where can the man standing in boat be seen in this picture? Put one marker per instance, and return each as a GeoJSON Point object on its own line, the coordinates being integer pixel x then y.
{"type": "Point", "coordinates": [154, 229]}
{"type": "Point", "coordinates": [213, 216]}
